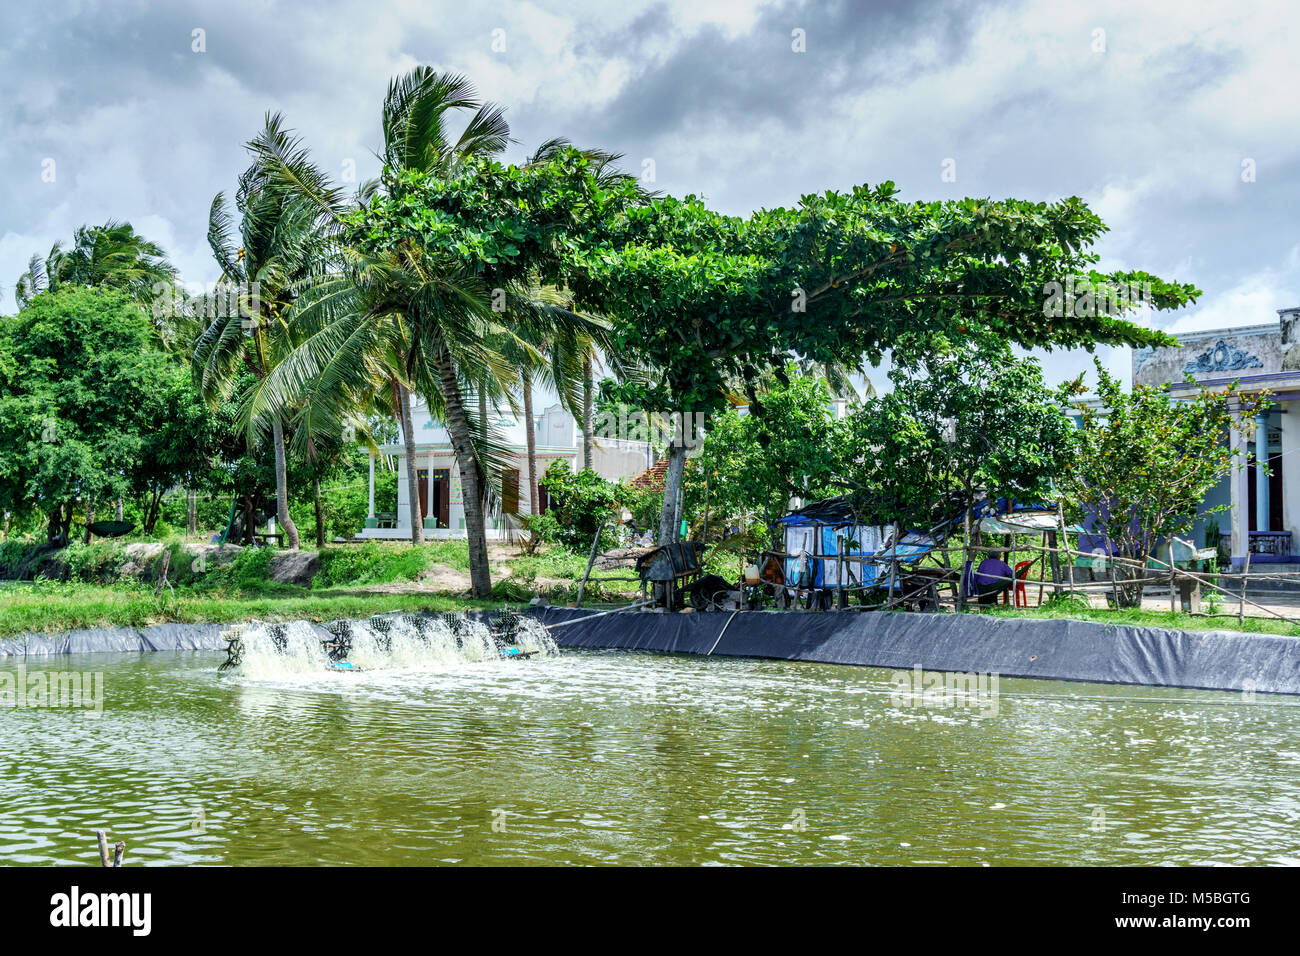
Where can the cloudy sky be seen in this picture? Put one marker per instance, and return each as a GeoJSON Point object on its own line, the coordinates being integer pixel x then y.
{"type": "Point", "coordinates": [1176, 120]}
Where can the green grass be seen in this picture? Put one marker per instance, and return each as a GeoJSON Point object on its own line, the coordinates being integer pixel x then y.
{"type": "Point", "coordinates": [51, 607]}
{"type": "Point", "coordinates": [1071, 610]}
{"type": "Point", "coordinates": [372, 564]}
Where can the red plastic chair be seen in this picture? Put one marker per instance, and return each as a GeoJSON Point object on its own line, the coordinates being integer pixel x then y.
{"type": "Point", "coordinates": [1022, 572]}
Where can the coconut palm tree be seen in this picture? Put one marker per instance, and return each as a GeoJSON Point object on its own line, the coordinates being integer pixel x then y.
{"type": "Point", "coordinates": [113, 255]}
{"type": "Point", "coordinates": [555, 355]}
{"type": "Point", "coordinates": [280, 247]}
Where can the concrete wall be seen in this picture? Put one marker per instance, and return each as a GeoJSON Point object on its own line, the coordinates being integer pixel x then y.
{"type": "Point", "coordinates": [1212, 356]}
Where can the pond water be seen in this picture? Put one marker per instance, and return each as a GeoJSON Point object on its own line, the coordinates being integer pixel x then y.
{"type": "Point", "coordinates": [616, 757]}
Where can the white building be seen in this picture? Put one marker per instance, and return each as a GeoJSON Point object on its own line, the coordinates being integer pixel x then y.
{"type": "Point", "coordinates": [557, 436]}
{"type": "Point", "coordinates": [1264, 509]}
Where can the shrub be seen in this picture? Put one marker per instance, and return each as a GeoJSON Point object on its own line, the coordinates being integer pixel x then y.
{"type": "Point", "coordinates": [251, 569]}
{"type": "Point", "coordinates": [20, 559]}
{"type": "Point", "coordinates": [538, 530]}
{"type": "Point", "coordinates": [580, 502]}
{"type": "Point", "coordinates": [96, 562]}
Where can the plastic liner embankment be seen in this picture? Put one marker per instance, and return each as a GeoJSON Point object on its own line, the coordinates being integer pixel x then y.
{"type": "Point", "coordinates": [1016, 647]}
{"type": "Point", "coordinates": [96, 640]}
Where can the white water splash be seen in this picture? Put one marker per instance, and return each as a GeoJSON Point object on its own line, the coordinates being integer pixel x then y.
{"type": "Point", "coordinates": [384, 643]}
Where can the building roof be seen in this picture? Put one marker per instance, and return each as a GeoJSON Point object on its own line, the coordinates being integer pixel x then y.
{"type": "Point", "coordinates": [652, 478]}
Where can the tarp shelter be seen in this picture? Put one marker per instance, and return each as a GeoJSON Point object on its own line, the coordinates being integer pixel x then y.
{"type": "Point", "coordinates": [817, 535]}
{"type": "Point", "coordinates": [1025, 522]}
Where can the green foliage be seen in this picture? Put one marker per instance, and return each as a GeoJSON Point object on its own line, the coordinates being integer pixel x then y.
{"type": "Point", "coordinates": [89, 410]}
{"type": "Point", "coordinates": [789, 445]}
{"type": "Point", "coordinates": [91, 563]}
{"type": "Point", "coordinates": [644, 503]}
{"type": "Point", "coordinates": [959, 420]}
{"type": "Point", "coordinates": [705, 301]}
{"type": "Point", "coordinates": [1066, 605]}
{"type": "Point", "coordinates": [1142, 463]}
{"type": "Point", "coordinates": [580, 502]}
{"type": "Point", "coordinates": [538, 530]}
{"type": "Point", "coordinates": [249, 571]}
{"type": "Point", "coordinates": [370, 563]}
{"type": "Point", "coordinates": [21, 559]}
{"type": "Point", "coordinates": [109, 256]}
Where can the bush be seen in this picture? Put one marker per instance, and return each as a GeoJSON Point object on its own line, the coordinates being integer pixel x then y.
{"type": "Point", "coordinates": [251, 569]}
{"type": "Point", "coordinates": [538, 530]}
{"type": "Point", "coordinates": [579, 504]}
{"type": "Point", "coordinates": [97, 562]}
{"type": "Point", "coordinates": [21, 559]}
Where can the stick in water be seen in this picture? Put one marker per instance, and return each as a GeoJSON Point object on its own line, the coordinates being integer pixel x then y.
{"type": "Point", "coordinates": [104, 858]}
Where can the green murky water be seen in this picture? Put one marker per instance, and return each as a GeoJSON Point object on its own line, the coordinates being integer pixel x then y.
{"type": "Point", "coordinates": [594, 758]}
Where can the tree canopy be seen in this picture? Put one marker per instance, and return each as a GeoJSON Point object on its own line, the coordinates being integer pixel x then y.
{"type": "Point", "coordinates": [83, 394]}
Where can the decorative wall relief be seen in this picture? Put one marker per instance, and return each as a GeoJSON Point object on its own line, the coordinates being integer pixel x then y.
{"type": "Point", "coordinates": [1222, 357]}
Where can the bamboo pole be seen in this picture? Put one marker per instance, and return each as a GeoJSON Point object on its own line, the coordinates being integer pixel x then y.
{"type": "Point", "coordinates": [893, 564]}
{"type": "Point", "coordinates": [1065, 540]}
{"type": "Point", "coordinates": [595, 545]}
{"type": "Point", "coordinates": [1245, 576]}
{"type": "Point", "coordinates": [1114, 580]}
{"type": "Point", "coordinates": [965, 560]}
{"type": "Point", "coordinates": [1173, 587]}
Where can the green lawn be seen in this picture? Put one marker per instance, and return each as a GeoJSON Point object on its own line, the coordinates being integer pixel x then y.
{"type": "Point", "coordinates": [49, 607]}
{"type": "Point", "coordinates": [1176, 620]}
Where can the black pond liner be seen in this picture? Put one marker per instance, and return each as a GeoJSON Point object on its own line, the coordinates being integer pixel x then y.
{"type": "Point", "coordinates": [98, 640]}
{"type": "Point", "coordinates": [965, 643]}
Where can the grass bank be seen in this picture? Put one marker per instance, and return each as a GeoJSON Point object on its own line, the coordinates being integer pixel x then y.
{"type": "Point", "coordinates": [83, 586]}
{"type": "Point", "coordinates": [1074, 611]}
{"type": "Point", "coordinates": [51, 607]}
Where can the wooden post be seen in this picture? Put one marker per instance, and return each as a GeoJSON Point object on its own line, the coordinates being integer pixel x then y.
{"type": "Point", "coordinates": [104, 859]}
{"type": "Point", "coordinates": [965, 560]}
{"type": "Point", "coordinates": [595, 546]}
{"type": "Point", "coordinates": [1054, 559]}
{"type": "Point", "coordinates": [1011, 563]}
{"type": "Point", "coordinates": [1173, 587]}
{"type": "Point", "coordinates": [1114, 578]}
{"type": "Point", "coordinates": [119, 850]}
{"type": "Point", "coordinates": [1241, 607]}
{"type": "Point", "coordinates": [1065, 539]}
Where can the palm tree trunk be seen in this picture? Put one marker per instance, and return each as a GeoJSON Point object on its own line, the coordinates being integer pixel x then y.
{"type": "Point", "coordinates": [320, 514]}
{"type": "Point", "coordinates": [672, 485]}
{"type": "Point", "coordinates": [282, 487]}
{"type": "Point", "coordinates": [402, 402]}
{"type": "Point", "coordinates": [471, 476]}
{"type": "Point", "coordinates": [586, 412]}
{"type": "Point", "coordinates": [530, 436]}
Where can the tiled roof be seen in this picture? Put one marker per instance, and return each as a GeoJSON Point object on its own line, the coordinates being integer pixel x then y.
{"type": "Point", "coordinates": [652, 477]}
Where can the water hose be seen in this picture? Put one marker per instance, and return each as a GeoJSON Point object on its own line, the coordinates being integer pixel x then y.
{"type": "Point", "coordinates": [588, 617]}
{"type": "Point", "coordinates": [723, 631]}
